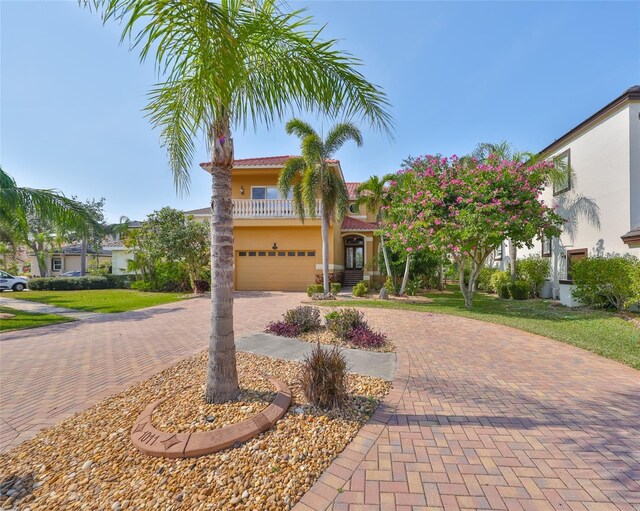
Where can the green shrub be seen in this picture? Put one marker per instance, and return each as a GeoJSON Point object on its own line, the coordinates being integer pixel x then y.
{"type": "Point", "coordinates": [519, 290]}
{"type": "Point", "coordinates": [414, 285]}
{"type": "Point", "coordinates": [604, 281]}
{"type": "Point", "coordinates": [534, 270]}
{"type": "Point", "coordinates": [390, 286]}
{"type": "Point", "coordinates": [323, 377]}
{"type": "Point", "coordinates": [503, 291]}
{"type": "Point", "coordinates": [304, 317]}
{"type": "Point", "coordinates": [170, 276]}
{"type": "Point", "coordinates": [340, 322]}
{"type": "Point", "coordinates": [314, 288]}
{"type": "Point", "coordinates": [69, 283]}
{"type": "Point", "coordinates": [484, 279]}
{"type": "Point", "coordinates": [635, 287]}
{"type": "Point", "coordinates": [336, 287]}
{"type": "Point", "coordinates": [141, 285]}
{"type": "Point", "coordinates": [499, 279]}
{"type": "Point", "coordinates": [360, 289]}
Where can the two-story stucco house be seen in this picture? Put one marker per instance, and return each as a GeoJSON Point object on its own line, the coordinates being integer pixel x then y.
{"type": "Point", "coordinates": [274, 249]}
{"type": "Point", "coordinates": [604, 153]}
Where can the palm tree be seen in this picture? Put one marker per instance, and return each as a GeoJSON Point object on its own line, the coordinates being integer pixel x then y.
{"type": "Point", "coordinates": [19, 206]}
{"type": "Point", "coordinates": [310, 176]}
{"type": "Point", "coordinates": [224, 64]}
{"type": "Point", "coordinates": [372, 195]}
{"type": "Point", "coordinates": [571, 208]}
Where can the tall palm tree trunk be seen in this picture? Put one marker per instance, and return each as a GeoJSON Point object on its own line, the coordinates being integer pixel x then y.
{"type": "Point", "coordinates": [222, 377]}
{"type": "Point", "coordinates": [405, 278]}
{"type": "Point", "coordinates": [83, 258]}
{"type": "Point", "coordinates": [324, 228]}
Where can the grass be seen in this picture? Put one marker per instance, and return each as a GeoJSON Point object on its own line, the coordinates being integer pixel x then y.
{"type": "Point", "coordinates": [100, 300]}
{"type": "Point", "coordinates": [601, 332]}
{"type": "Point", "coordinates": [24, 320]}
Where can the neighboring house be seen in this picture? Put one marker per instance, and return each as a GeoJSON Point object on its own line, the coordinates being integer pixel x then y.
{"type": "Point", "coordinates": [274, 250]}
{"type": "Point", "coordinates": [67, 258]}
{"type": "Point", "coordinates": [121, 254]}
{"type": "Point", "coordinates": [604, 153]}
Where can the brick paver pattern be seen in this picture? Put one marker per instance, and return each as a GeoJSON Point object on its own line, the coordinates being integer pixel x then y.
{"type": "Point", "coordinates": [483, 416]}
{"type": "Point", "coordinates": [48, 374]}
{"type": "Point", "coordinates": [480, 416]}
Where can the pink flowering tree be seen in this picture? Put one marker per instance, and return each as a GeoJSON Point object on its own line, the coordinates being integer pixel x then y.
{"type": "Point", "coordinates": [464, 208]}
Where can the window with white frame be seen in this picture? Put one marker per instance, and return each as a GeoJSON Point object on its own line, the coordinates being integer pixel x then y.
{"type": "Point", "coordinates": [56, 264]}
{"type": "Point", "coordinates": [497, 254]}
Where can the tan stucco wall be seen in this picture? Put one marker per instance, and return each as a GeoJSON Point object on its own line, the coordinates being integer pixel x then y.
{"type": "Point", "coordinates": [70, 262]}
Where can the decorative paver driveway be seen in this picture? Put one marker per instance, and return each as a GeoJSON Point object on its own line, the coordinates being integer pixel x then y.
{"type": "Point", "coordinates": [481, 416]}
{"type": "Point", "coordinates": [49, 373]}
{"type": "Point", "coordinates": [487, 417]}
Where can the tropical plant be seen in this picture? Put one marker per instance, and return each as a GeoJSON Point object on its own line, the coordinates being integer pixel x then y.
{"type": "Point", "coordinates": [311, 176]}
{"type": "Point", "coordinates": [534, 270]}
{"type": "Point", "coordinates": [372, 194]}
{"type": "Point", "coordinates": [224, 64]}
{"type": "Point", "coordinates": [39, 218]}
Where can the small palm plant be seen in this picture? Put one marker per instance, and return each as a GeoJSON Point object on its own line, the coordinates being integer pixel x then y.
{"type": "Point", "coordinates": [372, 194]}
{"type": "Point", "coordinates": [310, 176]}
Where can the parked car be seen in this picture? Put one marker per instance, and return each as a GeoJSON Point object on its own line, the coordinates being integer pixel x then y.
{"type": "Point", "coordinates": [71, 274]}
{"type": "Point", "coordinates": [10, 282]}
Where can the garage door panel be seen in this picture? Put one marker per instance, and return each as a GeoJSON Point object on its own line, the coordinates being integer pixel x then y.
{"type": "Point", "coordinates": [290, 270]}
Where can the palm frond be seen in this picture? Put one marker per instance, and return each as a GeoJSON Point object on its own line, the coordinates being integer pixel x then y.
{"type": "Point", "coordinates": [340, 134]}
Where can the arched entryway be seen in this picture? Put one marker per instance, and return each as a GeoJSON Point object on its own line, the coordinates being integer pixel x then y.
{"type": "Point", "coordinates": [353, 259]}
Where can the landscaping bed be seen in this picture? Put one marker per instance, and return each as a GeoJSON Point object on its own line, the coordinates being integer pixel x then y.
{"type": "Point", "coordinates": [345, 327]}
{"type": "Point", "coordinates": [324, 336]}
{"type": "Point", "coordinates": [14, 319]}
{"type": "Point", "coordinates": [88, 461]}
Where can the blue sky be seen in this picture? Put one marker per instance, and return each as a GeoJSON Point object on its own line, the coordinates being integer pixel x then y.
{"type": "Point", "coordinates": [456, 73]}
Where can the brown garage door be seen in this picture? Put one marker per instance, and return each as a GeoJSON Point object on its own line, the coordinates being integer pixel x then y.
{"type": "Point", "coordinates": [289, 270]}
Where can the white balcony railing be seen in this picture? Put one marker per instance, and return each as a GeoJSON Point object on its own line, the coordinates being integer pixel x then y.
{"type": "Point", "coordinates": [267, 208]}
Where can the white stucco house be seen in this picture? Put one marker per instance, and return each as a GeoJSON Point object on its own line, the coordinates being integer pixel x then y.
{"type": "Point", "coordinates": [604, 153]}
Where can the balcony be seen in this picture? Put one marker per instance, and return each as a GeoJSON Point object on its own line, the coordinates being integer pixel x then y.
{"type": "Point", "coordinates": [267, 208]}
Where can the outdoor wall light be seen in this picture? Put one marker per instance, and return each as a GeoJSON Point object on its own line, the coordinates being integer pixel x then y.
{"type": "Point", "coordinates": [275, 246]}
{"type": "Point", "coordinates": [242, 190]}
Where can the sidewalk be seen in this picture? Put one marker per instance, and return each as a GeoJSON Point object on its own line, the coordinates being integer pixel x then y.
{"type": "Point", "coordinates": [43, 308]}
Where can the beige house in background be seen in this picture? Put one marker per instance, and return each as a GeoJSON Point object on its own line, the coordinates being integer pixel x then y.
{"type": "Point", "coordinates": [67, 258]}
{"type": "Point", "coordinates": [274, 250]}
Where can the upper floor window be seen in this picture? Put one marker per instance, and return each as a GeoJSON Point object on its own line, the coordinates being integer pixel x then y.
{"type": "Point", "coordinates": [268, 192]}
{"type": "Point", "coordinates": [354, 208]}
{"type": "Point", "coordinates": [563, 161]}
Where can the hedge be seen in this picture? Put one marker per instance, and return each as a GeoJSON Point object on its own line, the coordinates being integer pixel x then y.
{"type": "Point", "coordinates": [76, 283]}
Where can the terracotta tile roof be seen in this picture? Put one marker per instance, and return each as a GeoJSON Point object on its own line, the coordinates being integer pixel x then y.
{"type": "Point", "coordinates": [267, 161]}
{"type": "Point", "coordinates": [351, 188]}
{"type": "Point", "coordinates": [353, 224]}
{"type": "Point", "coordinates": [201, 211]}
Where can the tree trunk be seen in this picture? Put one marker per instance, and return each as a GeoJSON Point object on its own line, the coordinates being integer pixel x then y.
{"type": "Point", "coordinates": [513, 254]}
{"type": "Point", "coordinates": [325, 251]}
{"type": "Point", "coordinates": [441, 277]}
{"type": "Point", "coordinates": [465, 289]}
{"type": "Point", "coordinates": [222, 376]}
{"type": "Point", "coordinates": [386, 257]}
{"type": "Point", "coordinates": [405, 278]}
{"type": "Point", "coordinates": [83, 258]}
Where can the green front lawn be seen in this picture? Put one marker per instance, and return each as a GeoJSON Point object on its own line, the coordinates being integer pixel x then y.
{"type": "Point", "coordinates": [24, 319]}
{"type": "Point", "coordinates": [100, 300]}
{"type": "Point", "coordinates": [601, 332]}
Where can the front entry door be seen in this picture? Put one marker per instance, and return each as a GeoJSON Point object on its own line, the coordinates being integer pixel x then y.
{"type": "Point", "coordinates": [354, 253]}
